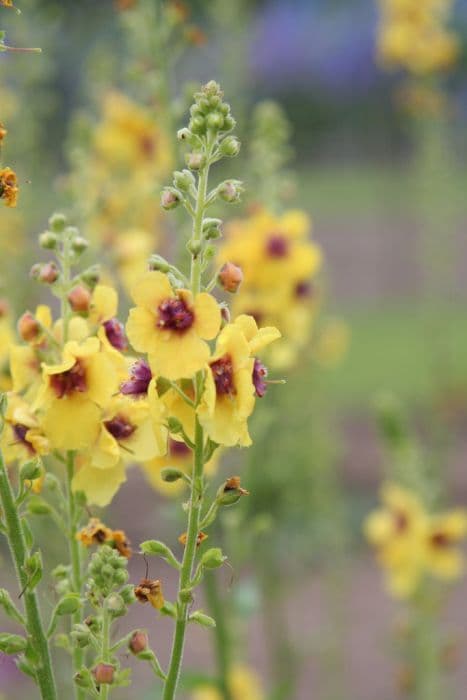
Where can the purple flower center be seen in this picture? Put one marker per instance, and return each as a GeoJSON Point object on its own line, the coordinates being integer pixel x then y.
{"type": "Point", "coordinates": [116, 334]}
{"type": "Point", "coordinates": [303, 290]}
{"type": "Point", "coordinates": [69, 382]}
{"type": "Point", "coordinates": [175, 315]}
{"type": "Point", "coordinates": [260, 373]}
{"type": "Point", "coordinates": [119, 427]}
{"type": "Point", "coordinates": [178, 449]}
{"type": "Point", "coordinates": [20, 432]}
{"type": "Point", "coordinates": [277, 246]}
{"type": "Point", "coordinates": [140, 378]}
{"type": "Point", "coordinates": [222, 372]}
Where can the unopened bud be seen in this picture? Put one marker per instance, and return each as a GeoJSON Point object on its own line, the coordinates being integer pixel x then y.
{"type": "Point", "coordinates": [57, 222]}
{"type": "Point", "coordinates": [174, 425]}
{"type": "Point", "coordinates": [230, 191]}
{"type": "Point", "coordinates": [183, 180]}
{"type": "Point", "coordinates": [194, 247]}
{"type": "Point", "coordinates": [230, 147]}
{"type": "Point", "coordinates": [91, 276]}
{"type": "Point", "coordinates": [230, 492]}
{"type": "Point", "coordinates": [170, 198]}
{"type": "Point", "coordinates": [230, 277]}
{"type": "Point", "coordinates": [170, 474]}
{"type": "Point", "coordinates": [28, 327]}
{"type": "Point", "coordinates": [116, 605]}
{"type": "Point", "coordinates": [104, 674]}
{"type": "Point", "coordinates": [79, 299]}
{"type": "Point", "coordinates": [195, 160]}
{"type": "Point", "coordinates": [139, 642]}
{"type": "Point", "coordinates": [213, 558]}
{"type": "Point", "coordinates": [80, 244]}
{"type": "Point", "coordinates": [48, 240]}
{"type": "Point", "coordinates": [31, 470]}
{"type": "Point", "coordinates": [215, 121]}
{"type": "Point", "coordinates": [157, 262]}
{"type": "Point", "coordinates": [212, 229]}
{"type": "Point", "coordinates": [81, 635]}
{"type": "Point", "coordinates": [45, 272]}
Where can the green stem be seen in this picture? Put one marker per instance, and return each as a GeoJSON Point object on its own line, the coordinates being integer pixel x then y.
{"type": "Point", "coordinates": [218, 610]}
{"type": "Point", "coordinates": [196, 500]}
{"type": "Point", "coordinates": [197, 485]}
{"type": "Point", "coordinates": [17, 544]}
{"type": "Point", "coordinates": [104, 689]}
{"type": "Point", "coordinates": [426, 646]}
{"type": "Point", "coordinates": [75, 559]}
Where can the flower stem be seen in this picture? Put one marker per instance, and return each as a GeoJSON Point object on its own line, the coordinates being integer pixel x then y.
{"type": "Point", "coordinates": [426, 646]}
{"type": "Point", "coordinates": [75, 559]}
{"type": "Point", "coordinates": [17, 544]}
{"type": "Point", "coordinates": [104, 689]}
{"type": "Point", "coordinates": [220, 633]}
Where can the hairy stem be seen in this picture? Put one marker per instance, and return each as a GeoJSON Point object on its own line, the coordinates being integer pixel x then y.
{"type": "Point", "coordinates": [218, 611]}
{"type": "Point", "coordinates": [18, 549]}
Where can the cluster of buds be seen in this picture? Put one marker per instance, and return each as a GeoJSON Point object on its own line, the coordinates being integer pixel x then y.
{"type": "Point", "coordinates": [107, 572]}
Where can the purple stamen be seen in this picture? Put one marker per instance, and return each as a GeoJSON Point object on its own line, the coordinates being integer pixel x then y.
{"type": "Point", "coordinates": [222, 371]}
{"type": "Point", "coordinates": [120, 427]}
{"type": "Point", "coordinates": [115, 333]}
{"type": "Point", "coordinates": [140, 378]}
{"type": "Point", "coordinates": [174, 315]}
{"type": "Point", "coordinates": [68, 382]}
{"type": "Point", "coordinates": [260, 373]}
{"type": "Point", "coordinates": [277, 246]}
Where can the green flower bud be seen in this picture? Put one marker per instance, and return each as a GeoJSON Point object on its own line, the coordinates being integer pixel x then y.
{"type": "Point", "coordinates": [91, 276]}
{"type": "Point", "coordinates": [188, 136]}
{"type": "Point", "coordinates": [194, 247]}
{"type": "Point", "coordinates": [183, 180]}
{"type": "Point", "coordinates": [215, 121]}
{"type": "Point", "coordinates": [174, 425]}
{"type": "Point", "coordinates": [31, 470]}
{"type": "Point", "coordinates": [79, 245]}
{"type": "Point", "coordinates": [81, 635]}
{"type": "Point", "coordinates": [230, 191]}
{"type": "Point", "coordinates": [83, 678]}
{"type": "Point", "coordinates": [128, 594]}
{"type": "Point", "coordinates": [212, 228]}
{"type": "Point", "coordinates": [209, 252]}
{"type": "Point", "coordinates": [48, 240]}
{"type": "Point", "coordinates": [38, 506]}
{"type": "Point", "coordinates": [157, 262]}
{"type": "Point", "coordinates": [116, 605]}
{"type": "Point", "coordinates": [195, 160]}
{"type": "Point", "coordinates": [9, 607]}
{"type": "Point", "coordinates": [155, 548]}
{"type": "Point", "coordinates": [68, 605]}
{"type": "Point", "coordinates": [197, 125]}
{"type": "Point", "coordinates": [229, 123]}
{"type": "Point", "coordinates": [72, 231]}
{"type": "Point", "coordinates": [170, 198]}
{"type": "Point", "coordinates": [121, 577]}
{"type": "Point", "coordinates": [57, 222]}
{"type": "Point", "coordinates": [213, 558]}
{"type": "Point", "coordinates": [202, 619]}
{"type": "Point", "coordinates": [51, 482]}
{"type": "Point", "coordinates": [33, 568]}
{"type": "Point", "coordinates": [230, 147]}
{"type": "Point", "coordinates": [185, 595]}
{"type": "Point", "coordinates": [61, 571]}
{"type": "Point", "coordinates": [12, 643]}
{"type": "Point", "coordinates": [170, 474]}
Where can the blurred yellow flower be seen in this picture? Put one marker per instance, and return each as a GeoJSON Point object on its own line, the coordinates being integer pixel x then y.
{"type": "Point", "coordinates": [8, 187]}
{"type": "Point", "coordinates": [244, 685]}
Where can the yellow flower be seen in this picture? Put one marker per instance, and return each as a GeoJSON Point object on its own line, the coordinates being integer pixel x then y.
{"type": "Point", "coordinates": [22, 437]}
{"type": "Point", "coordinates": [172, 327]}
{"type": "Point", "coordinates": [8, 187]}
{"type": "Point", "coordinates": [445, 531]}
{"type": "Point", "coordinates": [126, 435]}
{"type": "Point", "coordinates": [244, 685]}
{"type": "Point", "coordinates": [73, 393]}
{"type": "Point", "coordinates": [397, 531]}
{"type": "Point", "coordinates": [232, 379]}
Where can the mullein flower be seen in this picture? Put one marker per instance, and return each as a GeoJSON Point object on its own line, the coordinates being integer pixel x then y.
{"type": "Point", "coordinates": [96, 533]}
{"type": "Point", "coordinates": [9, 187]}
{"type": "Point", "coordinates": [445, 532]}
{"type": "Point", "coordinates": [231, 382]}
{"type": "Point", "coordinates": [23, 437]}
{"type": "Point", "coordinates": [126, 435]}
{"type": "Point", "coordinates": [73, 393]}
{"type": "Point", "coordinates": [172, 326]}
{"type": "Point", "coordinates": [150, 591]}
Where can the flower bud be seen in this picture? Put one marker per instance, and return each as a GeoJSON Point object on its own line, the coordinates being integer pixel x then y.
{"type": "Point", "coordinates": [215, 121]}
{"type": "Point", "coordinates": [12, 643]}
{"type": "Point", "coordinates": [139, 642]}
{"type": "Point", "coordinates": [91, 276]}
{"type": "Point", "coordinates": [79, 244]}
{"type": "Point", "coordinates": [202, 619]}
{"type": "Point", "coordinates": [174, 425]}
{"type": "Point", "coordinates": [83, 679]}
{"type": "Point", "coordinates": [48, 240]}
{"type": "Point", "coordinates": [212, 229]}
{"type": "Point", "coordinates": [68, 605]}
{"type": "Point", "coordinates": [230, 492]}
{"type": "Point", "coordinates": [170, 474]}
{"type": "Point", "coordinates": [128, 594]}
{"type": "Point", "coordinates": [57, 222]}
{"type": "Point", "coordinates": [81, 635]}
{"type": "Point", "coordinates": [195, 160]}
{"type": "Point", "coordinates": [183, 180]}
{"type": "Point", "coordinates": [194, 247]}
{"type": "Point", "coordinates": [31, 470]}
{"type": "Point", "coordinates": [230, 147]}
{"type": "Point", "coordinates": [116, 605]}
{"type": "Point", "coordinates": [213, 558]}
{"type": "Point", "coordinates": [197, 125]}
{"type": "Point", "coordinates": [230, 191]}
{"type": "Point", "coordinates": [230, 277]}
{"type": "Point", "coordinates": [170, 198]}
{"type": "Point", "coordinates": [37, 506]}
{"type": "Point", "coordinates": [157, 262]}
{"type": "Point", "coordinates": [28, 327]}
{"type": "Point", "coordinates": [79, 298]}
{"type": "Point", "coordinates": [104, 674]}
{"type": "Point", "coordinates": [45, 272]}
